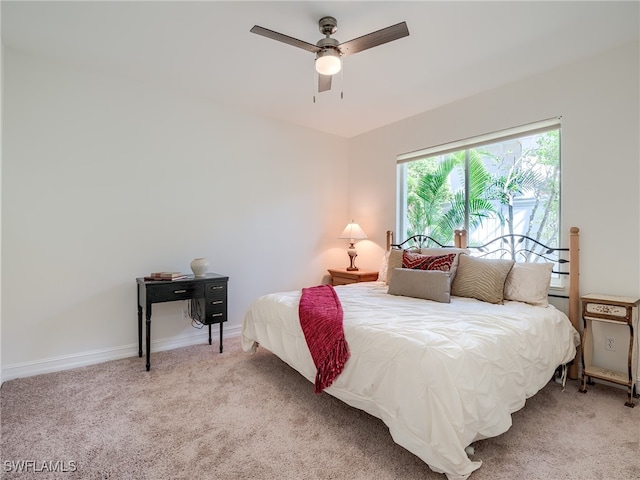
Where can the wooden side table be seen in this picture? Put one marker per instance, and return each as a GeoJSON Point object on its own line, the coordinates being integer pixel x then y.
{"type": "Point", "coordinates": [342, 276]}
{"type": "Point", "coordinates": [621, 311]}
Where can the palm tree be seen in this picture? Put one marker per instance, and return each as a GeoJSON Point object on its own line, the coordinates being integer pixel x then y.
{"type": "Point", "coordinates": [511, 184]}
{"type": "Point", "coordinates": [433, 193]}
{"type": "Point", "coordinates": [544, 216]}
{"type": "Point", "coordinates": [443, 211]}
{"type": "Point", "coordinates": [436, 206]}
{"type": "Point", "coordinates": [515, 181]}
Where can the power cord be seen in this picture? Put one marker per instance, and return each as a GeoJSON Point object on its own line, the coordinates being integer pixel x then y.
{"type": "Point", "coordinates": [194, 312]}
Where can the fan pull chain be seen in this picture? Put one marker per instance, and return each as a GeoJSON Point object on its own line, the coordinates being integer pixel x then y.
{"type": "Point", "coordinates": [314, 81]}
{"type": "Point", "coordinates": [341, 81]}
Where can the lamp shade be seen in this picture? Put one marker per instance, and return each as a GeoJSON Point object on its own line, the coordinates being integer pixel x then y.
{"type": "Point", "coordinates": [353, 232]}
{"type": "Point", "coordinates": [328, 62]}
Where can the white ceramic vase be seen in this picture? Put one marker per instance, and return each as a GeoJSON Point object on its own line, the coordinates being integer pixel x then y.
{"type": "Point", "coordinates": [200, 266]}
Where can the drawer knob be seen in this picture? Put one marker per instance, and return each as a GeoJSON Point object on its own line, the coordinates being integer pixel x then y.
{"type": "Point", "coordinates": [217, 314]}
{"type": "Point", "coordinates": [179, 291]}
{"type": "Point", "coordinates": [217, 287]}
{"type": "Point", "coordinates": [216, 302]}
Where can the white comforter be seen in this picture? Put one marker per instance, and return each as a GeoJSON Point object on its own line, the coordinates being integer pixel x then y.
{"type": "Point", "coordinates": [439, 375]}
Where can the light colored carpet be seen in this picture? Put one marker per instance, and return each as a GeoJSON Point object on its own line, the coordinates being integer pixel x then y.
{"type": "Point", "coordinates": [199, 414]}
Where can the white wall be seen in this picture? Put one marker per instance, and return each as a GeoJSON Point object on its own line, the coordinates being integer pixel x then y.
{"type": "Point", "coordinates": [105, 180]}
{"type": "Point", "coordinates": [598, 100]}
{"type": "Point", "coordinates": [1, 116]}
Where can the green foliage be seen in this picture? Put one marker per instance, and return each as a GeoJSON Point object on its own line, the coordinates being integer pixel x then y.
{"type": "Point", "coordinates": [438, 211]}
{"type": "Point", "coordinates": [435, 208]}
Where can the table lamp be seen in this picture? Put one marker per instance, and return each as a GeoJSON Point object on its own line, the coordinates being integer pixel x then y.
{"type": "Point", "coordinates": [352, 232]}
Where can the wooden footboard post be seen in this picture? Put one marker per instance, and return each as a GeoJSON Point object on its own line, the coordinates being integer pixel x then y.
{"type": "Point", "coordinates": [574, 289]}
{"type": "Point", "coordinates": [389, 239]}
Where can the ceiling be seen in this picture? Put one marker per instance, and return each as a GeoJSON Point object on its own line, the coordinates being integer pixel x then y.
{"type": "Point", "coordinates": [455, 49]}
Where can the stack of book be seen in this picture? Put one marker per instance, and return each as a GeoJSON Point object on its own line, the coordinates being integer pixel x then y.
{"type": "Point", "coordinates": [165, 276]}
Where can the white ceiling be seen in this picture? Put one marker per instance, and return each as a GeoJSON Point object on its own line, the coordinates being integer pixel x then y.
{"type": "Point", "coordinates": [455, 49]}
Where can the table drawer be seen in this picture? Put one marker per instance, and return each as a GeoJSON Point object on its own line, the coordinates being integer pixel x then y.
{"type": "Point", "coordinates": [215, 317]}
{"type": "Point", "coordinates": [216, 304]}
{"type": "Point", "coordinates": [342, 281]}
{"type": "Point", "coordinates": [172, 292]}
{"type": "Point", "coordinates": [216, 290]}
{"type": "Point", "coordinates": [215, 311]}
{"type": "Point", "coordinates": [615, 313]}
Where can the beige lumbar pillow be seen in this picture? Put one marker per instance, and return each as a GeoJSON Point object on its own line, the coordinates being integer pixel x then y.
{"type": "Point", "coordinates": [426, 284]}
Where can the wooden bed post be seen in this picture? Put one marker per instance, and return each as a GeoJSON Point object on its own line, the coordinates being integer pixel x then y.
{"type": "Point", "coordinates": [460, 239]}
{"type": "Point", "coordinates": [574, 289]}
{"type": "Point", "coordinates": [389, 239]}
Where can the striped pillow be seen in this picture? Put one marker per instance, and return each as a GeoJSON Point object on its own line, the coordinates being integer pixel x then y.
{"type": "Point", "coordinates": [481, 278]}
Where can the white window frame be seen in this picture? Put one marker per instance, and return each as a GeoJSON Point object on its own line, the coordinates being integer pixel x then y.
{"type": "Point", "coordinates": [467, 144]}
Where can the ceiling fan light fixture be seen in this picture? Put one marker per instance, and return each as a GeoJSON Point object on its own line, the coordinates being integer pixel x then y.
{"type": "Point", "coordinates": [329, 51]}
{"type": "Point", "coordinates": [328, 62]}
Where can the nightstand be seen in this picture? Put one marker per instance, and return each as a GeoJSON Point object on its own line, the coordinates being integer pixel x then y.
{"type": "Point", "coordinates": [614, 310]}
{"type": "Point", "coordinates": [342, 276]}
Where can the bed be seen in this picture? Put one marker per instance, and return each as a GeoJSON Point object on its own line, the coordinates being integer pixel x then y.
{"type": "Point", "coordinates": [440, 374]}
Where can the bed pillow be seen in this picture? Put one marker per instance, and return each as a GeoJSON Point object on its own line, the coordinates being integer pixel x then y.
{"type": "Point", "coordinates": [417, 261]}
{"type": "Point", "coordinates": [481, 278]}
{"type": "Point", "coordinates": [382, 273]}
{"type": "Point", "coordinates": [529, 283]}
{"type": "Point", "coordinates": [444, 250]}
{"type": "Point", "coordinates": [427, 284]}
{"type": "Point", "coordinates": [395, 261]}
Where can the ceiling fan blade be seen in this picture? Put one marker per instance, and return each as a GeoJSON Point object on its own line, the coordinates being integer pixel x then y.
{"type": "Point", "coordinates": [324, 83]}
{"type": "Point", "coordinates": [374, 39]}
{"type": "Point", "coordinates": [265, 32]}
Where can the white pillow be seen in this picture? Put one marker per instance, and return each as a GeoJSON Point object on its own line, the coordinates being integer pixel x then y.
{"type": "Point", "coordinates": [382, 273]}
{"type": "Point", "coordinates": [529, 283]}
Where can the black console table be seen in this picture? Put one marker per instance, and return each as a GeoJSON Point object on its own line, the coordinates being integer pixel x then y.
{"type": "Point", "coordinates": [208, 293]}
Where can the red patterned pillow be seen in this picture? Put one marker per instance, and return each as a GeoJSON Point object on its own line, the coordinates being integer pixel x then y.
{"type": "Point", "coordinates": [417, 261]}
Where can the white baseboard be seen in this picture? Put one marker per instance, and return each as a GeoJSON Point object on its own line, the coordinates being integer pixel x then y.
{"type": "Point", "coordinates": [66, 362]}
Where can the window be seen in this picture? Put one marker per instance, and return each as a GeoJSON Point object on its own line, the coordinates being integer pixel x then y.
{"type": "Point", "coordinates": [502, 183]}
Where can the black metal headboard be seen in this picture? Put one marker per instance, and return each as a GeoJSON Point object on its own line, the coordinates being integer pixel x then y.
{"type": "Point", "coordinates": [419, 241]}
{"type": "Point", "coordinates": [522, 248]}
{"type": "Point", "coordinates": [519, 248]}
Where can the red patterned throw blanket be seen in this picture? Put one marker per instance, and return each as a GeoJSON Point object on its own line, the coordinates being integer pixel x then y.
{"type": "Point", "coordinates": [320, 315]}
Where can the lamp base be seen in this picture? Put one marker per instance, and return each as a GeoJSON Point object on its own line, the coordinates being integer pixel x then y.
{"type": "Point", "coordinates": [352, 258]}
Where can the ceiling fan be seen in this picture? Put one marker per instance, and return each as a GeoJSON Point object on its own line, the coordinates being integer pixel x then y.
{"type": "Point", "coordinates": [329, 51]}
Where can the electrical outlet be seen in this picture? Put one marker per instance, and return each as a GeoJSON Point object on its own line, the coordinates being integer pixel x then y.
{"type": "Point", "coordinates": [610, 343]}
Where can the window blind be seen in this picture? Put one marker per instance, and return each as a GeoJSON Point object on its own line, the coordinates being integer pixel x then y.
{"type": "Point", "coordinates": [486, 139]}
